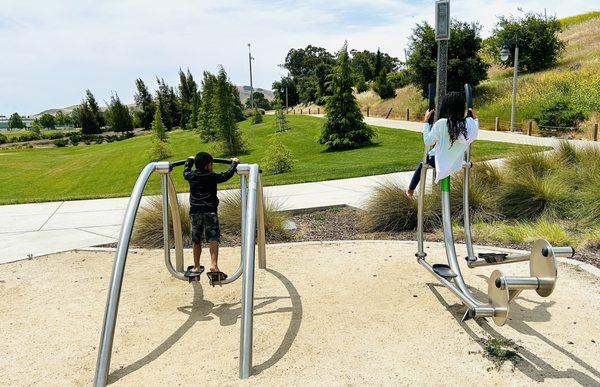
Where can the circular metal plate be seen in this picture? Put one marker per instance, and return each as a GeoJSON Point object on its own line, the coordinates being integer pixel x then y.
{"type": "Point", "coordinates": [543, 267]}
{"type": "Point", "coordinates": [498, 298]}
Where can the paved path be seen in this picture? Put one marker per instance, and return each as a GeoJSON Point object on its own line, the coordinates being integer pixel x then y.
{"type": "Point", "coordinates": [30, 230]}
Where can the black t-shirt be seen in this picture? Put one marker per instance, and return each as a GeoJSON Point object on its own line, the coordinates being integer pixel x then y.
{"type": "Point", "coordinates": [203, 187]}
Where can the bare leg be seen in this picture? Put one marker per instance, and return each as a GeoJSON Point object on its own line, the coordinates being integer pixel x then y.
{"type": "Point", "coordinates": [197, 251]}
{"type": "Point", "coordinates": [214, 255]}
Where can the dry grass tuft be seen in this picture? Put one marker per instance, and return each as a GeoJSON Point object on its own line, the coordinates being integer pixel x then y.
{"type": "Point", "coordinates": [148, 231]}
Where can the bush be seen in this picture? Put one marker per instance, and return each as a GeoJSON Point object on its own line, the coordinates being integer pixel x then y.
{"type": "Point", "coordinates": [257, 117]}
{"type": "Point", "coordinates": [160, 150]}
{"type": "Point", "coordinates": [389, 209]}
{"type": "Point", "coordinates": [281, 122]}
{"type": "Point", "coordinates": [520, 233]}
{"type": "Point", "coordinates": [148, 231]}
{"type": "Point", "coordinates": [398, 79]}
{"type": "Point", "coordinates": [3, 139]}
{"type": "Point", "coordinates": [61, 142]}
{"type": "Point", "coordinates": [278, 159]}
{"type": "Point", "coordinates": [361, 85]}
{"type": "Point", "coordinates": [559, 114]}
{"type": "Point", "coordinates": [485, 183]}
{"type": "Point", "coordinates": [230, 216]}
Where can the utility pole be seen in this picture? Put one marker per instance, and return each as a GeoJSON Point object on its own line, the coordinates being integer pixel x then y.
{"type": "Point", "coordinates": [504, 55]}
{"type": "Point", "coordinates": [442, 35]}
{"type": "Point", "coordinates": [251, 86]}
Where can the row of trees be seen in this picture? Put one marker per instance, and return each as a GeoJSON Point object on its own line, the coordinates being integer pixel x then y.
{"type": "Point", "coordinates": [469, 58]}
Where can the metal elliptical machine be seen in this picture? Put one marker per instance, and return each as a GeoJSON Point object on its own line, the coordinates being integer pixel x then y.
{"type": "Point", "coordinates": [501, 289]}
{"type": "Point", "coordinates": [253, 234]}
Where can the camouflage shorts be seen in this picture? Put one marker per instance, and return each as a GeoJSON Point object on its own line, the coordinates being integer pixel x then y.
{"type": "Point", "coordinates": [205, 226]}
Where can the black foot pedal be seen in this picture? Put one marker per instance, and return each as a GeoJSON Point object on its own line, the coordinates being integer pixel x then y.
{"type": "Point", "coordinates": [443, 270]}
{"type": "Point", "coordinates": [192, 275]}
{"type": "Point", "coordinates": [215, 277]}
{"type": "Point", "coordinates": [493, 257]}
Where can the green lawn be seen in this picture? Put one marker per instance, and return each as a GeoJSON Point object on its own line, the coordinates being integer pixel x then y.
{"type": "Point", "coordinates": [110, 169]}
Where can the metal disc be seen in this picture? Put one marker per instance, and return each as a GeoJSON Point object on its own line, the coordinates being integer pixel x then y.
{"type": "Point", "coordinates": [498, 299]}
{"type": "Point", "coordinates": [543, 267]}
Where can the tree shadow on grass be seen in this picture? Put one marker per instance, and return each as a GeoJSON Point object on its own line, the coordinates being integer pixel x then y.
{"type": "Point", "coordinates": [228, 314]}
{"type": "Point", "coordinates": [531, 365]}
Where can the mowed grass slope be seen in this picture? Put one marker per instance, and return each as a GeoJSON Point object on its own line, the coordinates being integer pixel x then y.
{"type": "Point", "coordinates": [111, 169]}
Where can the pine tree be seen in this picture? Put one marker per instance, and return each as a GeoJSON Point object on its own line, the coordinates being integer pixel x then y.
{"type": "Point", "coordinates": [344, 126]}
{"type": "Point", "coordinates": [143, 101]}
{"type": "Point", "coordinates": [281, 123]}
{"type": "Point", "coordinates": [225, 115]}
{"type": "Point", "coordinates": [167, 103]}
{"type": "Point", "coordinates": [206, 117]}
{"type": "Point", "coordinates": [119, 117]}
{"type": "Point", "coordinates": [236, 103]}
{"type": "Point", "coordinates": [378, 65]}
{"type": "Point", "coordinates": [160, 146]}
{"type": "Point", "coordinates": [196, 102]}
{"type": "Point", "coordinates": [383, 86]}
{"type": "Point", "coordinates": [86, 118]}
{"type": "Point", "coordinates": [94, 108]}
{"type": "Point", "coordinates": [188, 88]}
{"type": "Point", "coordinates": [257, 117]}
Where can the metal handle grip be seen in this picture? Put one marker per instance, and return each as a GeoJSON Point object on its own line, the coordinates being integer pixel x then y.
{"type": "Point", "coordinates": [215, 160]}
{"type": "Point", "coordinates": [567, 252]}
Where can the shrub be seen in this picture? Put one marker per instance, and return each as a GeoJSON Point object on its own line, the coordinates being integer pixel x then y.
{"type": "Point", "coordinates": [484, 186]}
{"type": "Point", "coordinates": [588, 209]}
{"type": "Point", "coordinates": [389, 209]}
{"type": "Point", "coordinates": [61, 142]}
{"type": "Point", "coordinates": [529, 161]}
{"type": "Point", "coordinates": [148, 231]}
{"type": "Point", "coordinates": [383, 87]}
{"type": "Point", "coordinates": [281, 122]}
{"type": "Point", "coordinates": [3, 139]}
{"type": "Point", "coordinates": [257, 117]}
{"type": "Point", "coordinates": [559, 114]}
{"type": "Point", "coordinates": [278, 159]}
{"type": "Point", "coordinates": [522, 232]}
{"type": "Point", "coordinates": [230, 216]}
{"type": "Point", "coordinates": [361, 85]}
{"type": "Point", "coordinates": [529, 195]}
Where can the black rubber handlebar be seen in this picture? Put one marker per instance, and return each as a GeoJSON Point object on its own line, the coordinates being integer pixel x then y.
{"type": "Point", "coordinates": [215, 160]}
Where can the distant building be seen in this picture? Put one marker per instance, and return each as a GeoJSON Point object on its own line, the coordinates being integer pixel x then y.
{"type": "Point", "coordinates": [4, 122]}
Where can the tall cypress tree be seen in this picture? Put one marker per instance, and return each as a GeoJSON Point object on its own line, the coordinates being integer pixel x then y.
{"type": "Point", "coordinates": [93, 105]}
{"type": "Point", "coordinates": [188, 88]}
{"type": "Point", "coordinates": [206, 116]}
{"type": "Point", "coordinates": [143, 101]}
{"type": "Point", "coordinates": [167, 103]}
{"type": "Point", "coordinates": [225, 116]}
{"type": "Point", "coordinates": [119, 117]}
{"type": "Point", "coordinates": [344, 126]}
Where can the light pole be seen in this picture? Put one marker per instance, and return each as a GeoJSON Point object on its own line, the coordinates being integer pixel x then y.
{"type": "Point", "coordinates": [504, 55]}
{"type": "Point", "coordinates": [251, 87]}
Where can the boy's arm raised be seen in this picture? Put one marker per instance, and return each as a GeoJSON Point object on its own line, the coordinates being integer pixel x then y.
{"type": "Point", "coordinates": [224, 176]}
{"type": "Point", "coordinates": [187, 168]}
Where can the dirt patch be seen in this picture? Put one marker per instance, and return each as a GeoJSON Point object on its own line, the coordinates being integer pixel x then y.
{"type": "Point", "coordinates": [357, 313]}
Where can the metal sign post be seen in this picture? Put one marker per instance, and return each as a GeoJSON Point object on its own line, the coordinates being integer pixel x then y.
{"type": "Point", "coordinates": [442, 35]}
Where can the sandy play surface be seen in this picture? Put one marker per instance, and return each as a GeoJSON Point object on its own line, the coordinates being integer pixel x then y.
{"type": "Point", "coordinates": [360, 313]}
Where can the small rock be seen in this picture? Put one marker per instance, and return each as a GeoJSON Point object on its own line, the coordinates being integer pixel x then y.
{"type": "Point", "coordinates": [570, 342]}
{"type": "Point", "coordinates": [415, 296]}
{"type": "Point", "coordinates": [290, 225]}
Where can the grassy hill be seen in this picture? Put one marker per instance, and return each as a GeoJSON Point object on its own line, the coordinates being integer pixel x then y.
{"type": "Point", "coordinates": [576, 77]}
{"type": "Point", "coordinates": [110, 169]}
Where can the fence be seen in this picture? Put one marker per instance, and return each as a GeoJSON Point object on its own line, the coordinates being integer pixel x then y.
{"type": "Point", "coordinates": [529, 127]}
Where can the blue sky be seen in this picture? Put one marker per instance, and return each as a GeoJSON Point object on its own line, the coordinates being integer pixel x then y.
{"type": "Point", "coordinates": [54, 50]}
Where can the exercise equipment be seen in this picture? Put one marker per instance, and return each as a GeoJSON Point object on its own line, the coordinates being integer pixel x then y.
{"type": "Point", "coordinates": [501, 289]}
{"type": "Point", "coordinates": [253, 233]}
{"type": "Point", "coordinates": [431, 98]}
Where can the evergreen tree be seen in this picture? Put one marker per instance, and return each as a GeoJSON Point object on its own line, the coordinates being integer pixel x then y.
{"type": "Point", "coordinates": [93, 106]}
{"type": "Point", "coordinates": [378, 65]}
{"type": "Point", "coordinates": [168, 104]}
{"type": "Point", "coordinates": [225, 109]}
{"type": "Point", "coordinates": [144, 103]}
{"type": "Point", "coordinates": [62, 119]}
{"type": "Point", "coordinates": [383, 86]}
{"type": "Point", "coordinates": [344, 126]}
{"type": "Point", "coordinates": [206, 119]}
{"type": "Point", "coordinates": [236, 103]}
{"type": "Point", "coordinates": [196, 102]}
{"type": "Point", "coordinates": [281, 123]}
{"type": "Point", "coordinates": [119, 117]}
{"type": "Point", "coordinates": [188, 88]}
{"type": "Point", "coordinates": [257, 117]}
{"type": "Point", "coordinates": [160, 144]}
{"type": "Point", "coordinates": [15, 121]}
{"type": "Point", "coordinates": [86, 119]}
{"type": "Point", "coordinates": [47, 121]}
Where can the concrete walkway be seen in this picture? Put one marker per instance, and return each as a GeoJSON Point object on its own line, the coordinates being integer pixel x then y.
{"type": "Point", "coordinates": [31, 230]}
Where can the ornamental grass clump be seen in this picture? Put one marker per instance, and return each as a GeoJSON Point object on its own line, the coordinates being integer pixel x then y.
{"type": "Point", "coordinates": [148, 230]}
{"type": "Point", "coordinates": [484, 199]}
{"type": "Point", "coordinates": [389, 209]}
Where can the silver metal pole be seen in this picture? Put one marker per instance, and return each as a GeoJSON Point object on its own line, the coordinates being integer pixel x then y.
{"type": "Point", "coordinates": [509, 259]}
{"type": "Point", "coordinates": [420, 209]}
{"type": "Point", "coordinates": [248, 278]}
{"type": "Point", "coordinates": [251, 86]}
{"type": "Point", "coordinates": [449, 241]}
{"type": "Point", "coordinates": [179, 246]}
{"type": "Point", "coordinates": [466, 210]}
{"type": "Point", "coordinates": [513, 112]}
{"type": "Point", "coordinates": [116, 278]}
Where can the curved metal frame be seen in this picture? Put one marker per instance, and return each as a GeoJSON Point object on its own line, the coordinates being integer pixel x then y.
{"type": "Point", "coordinates": [501, 289]}
{"type": "Point", "coordinates": [252, 216]}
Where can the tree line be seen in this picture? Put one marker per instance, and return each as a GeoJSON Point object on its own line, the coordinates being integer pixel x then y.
{"type": "Point", "coordinates": [469, 57]}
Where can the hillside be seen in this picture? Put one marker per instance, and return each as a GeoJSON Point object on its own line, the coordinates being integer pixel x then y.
{"type": "Point", "coordinates": [243, 90]}
{"type": "Point", "coordinates": [576, 77]}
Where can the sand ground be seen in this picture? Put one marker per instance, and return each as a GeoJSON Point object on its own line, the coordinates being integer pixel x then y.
{"type": "Point", "coordinates": [325, 314]}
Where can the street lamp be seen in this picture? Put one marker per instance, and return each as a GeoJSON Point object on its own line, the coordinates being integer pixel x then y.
{"type": "Point", "coordinates": [251, 87]}
{"type": "Point", "coordinates": [504, 55]}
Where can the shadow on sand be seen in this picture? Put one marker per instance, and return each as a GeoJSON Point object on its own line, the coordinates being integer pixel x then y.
{"type": "Point", "coordinates": [531, 365]}
{"type": "Point", "coordinates": [228, 314]}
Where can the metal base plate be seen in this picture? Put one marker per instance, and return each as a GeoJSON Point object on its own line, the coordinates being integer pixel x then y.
{"type": "Point", "coordinates": [543, 267]}
{"type": "Point", "coordinates": [499, 299]}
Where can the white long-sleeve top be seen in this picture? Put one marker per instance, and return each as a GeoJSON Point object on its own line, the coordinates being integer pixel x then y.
{"type": "Point", "coordinates": [448, 158]}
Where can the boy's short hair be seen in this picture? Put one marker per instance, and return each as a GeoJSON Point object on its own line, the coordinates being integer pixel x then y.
{"type": "Point", "coordinates": [202, 159]}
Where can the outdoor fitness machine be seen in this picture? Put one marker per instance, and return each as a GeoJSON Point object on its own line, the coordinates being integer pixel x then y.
{"type": "Point", "coordinates": [501, 289]}
{"type": "Point", "coordinates": [252, 221]}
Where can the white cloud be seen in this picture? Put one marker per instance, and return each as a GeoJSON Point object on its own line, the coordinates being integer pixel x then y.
{"type": "Point", "coordinates": [54, 50]}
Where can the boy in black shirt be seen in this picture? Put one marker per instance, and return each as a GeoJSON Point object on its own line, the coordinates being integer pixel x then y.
{"type": "Point", "coordinates": [203, 208]}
